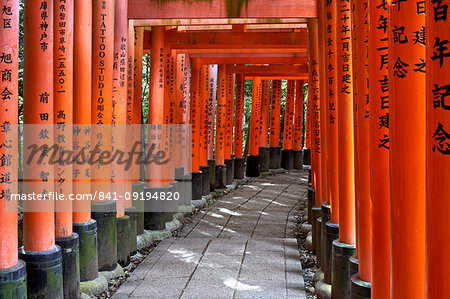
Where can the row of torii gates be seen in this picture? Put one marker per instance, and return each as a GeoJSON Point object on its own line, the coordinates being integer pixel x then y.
{"type": "Point", "coordinates": [375, 123]}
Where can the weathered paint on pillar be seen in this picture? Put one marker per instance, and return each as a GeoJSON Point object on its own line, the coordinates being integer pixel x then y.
{"type": "Point", "coordinates": [63, 107]}
{"type": "Point", "coordinates": [221, 115]}
{"type": "Point", "coordinates": [38, 227]}
{"type": "Point", "coordinates": [298, 116]}
{"type": "Point", "coordinates": [255, 118]}
{"type": "Point", "coordinates": [313, 98]}
{"type": "Point", "coordinates": [331, 120]}
{"type": "Point", "coordinates": [265, 111]}
{"type": "Point", "coordinates": [407, 149]}
{"type": "Point", "coordinates": [362, 157]}
{"type": "Point", "coordinates": [345, 125]}
{"type": "Point", "coordinates": [212, 95]}
{"type": "Point", "coordinates": [102, 87]}
{"type": "Point", "coordinates": [120, 98]}
{"type": "Point", "coordinates": [9, 64]}
{"type": "Point", "coordinates": [195, 114]}
{"type": "Point", "coordinates": [289, 115]}
{"type": "Point", "coordinates": [229, 116]}
{"type": "Point", "coordinates": [82, 92]}
{"type": "Point", "coordinates": [437, 150]}
{"type": "Point", "coordinates": [239, 123]}
{"type": "Point", "coordinates": [204, 113]}
{"type": "Point", "coordinates": [275, 112]}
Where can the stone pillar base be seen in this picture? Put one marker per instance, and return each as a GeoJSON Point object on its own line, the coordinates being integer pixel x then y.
{"type": "Point", "coordinates": [13, 282]}
{"type": "Point", "coordinates": [340, 278]}
{"type": "Point", "coordinates": [105, 215]}
{"type": "Point", "coordinates": [239, 168]}
{"type": "Point", "coordinates": [275, 157]}
{"type": "Point", "coordinates": [264, 154]}
{"type": "Point", "coordinates": [287, 159]}
{"type": "Point", "coordinates": [253, 166]}
{"type": "Point", "coordinates": [71, 265]}
{"type": "Point", "coordinates": [44, 273]}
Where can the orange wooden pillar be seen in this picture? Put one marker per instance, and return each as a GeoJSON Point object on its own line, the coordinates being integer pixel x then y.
{"type": "Point", "coordinates": [274, 139]}
{"type": "Point", "coordinates": [437, 151]}
{"type": "Point", "coordinates": [212, 96]}
{"type": "Point", "coordinates": [407, 150]}
{"type": "Point", "coordinates": [12, 274]}
{"type": "Point", "coordinates": [313, 98]}
{"type": "Point", "coordinates": [253, 159]}
{"type": "Point", "coordinates": [298, 125]}
{"type": "Point", "coordinates": [229, 120]}
{"type": "Point", "coordinates": [239, 160]}
{"type": "Point", "coordinates": [331, 227]}
{"type": "Point", "coordinates": [182, 109]}
{"type": "Point", "coordinates": [39, 249]}
{"type": "Point", "coordinates": [121, 174]}
{"type": "Point", "coordinates": [156, 101]}
{"type": "Point", "coordinates": [360, 283]}
{"type": "Point", "coordinates": [307, 149]}
{"type": "Point", "coordinates": [314, 194]}
{"type": "Point", "coordinates": [264, 137]}
{"type": "Point", "coordinates": [220, 177]}
{"type": "Point", "coordinates": [344, 248]}
{"type": "Point", "coordinates": [379, 148]}
{"type": "Point", "coordinates": [204, 135]}
{"type": "Point", "coordinates": [63, 118]}
{"type": "Point", "coordinates": [287, 154]}
{"type": "Point", "coordinates": [195, 121]}
{"type": "Point", "coordinates": [103, 209]}
{"type": "Point", "coordinates": [83, 225]}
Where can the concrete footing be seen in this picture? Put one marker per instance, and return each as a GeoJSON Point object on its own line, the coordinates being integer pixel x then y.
{"type": "Point", "coordinates": [253, 166]}
{"type": "Point", "coordinates": [298, 159]}
{"type": "Point", "coordinates": [105, 215]}
{"type": "Point", "coordinates": [205, 180]}
{"type": "Point", "coordinates": [70, 265]}
{"type": "Point", "coordinates": [138, 188]}
{"type": "Point", "coordinates": [94, 287]}
{"type": "Point", "coordinates": [264, 159]}
{"type": "Point", "coordinates": [274, 157]}
{"type": "Point", "coordinates": [123, 240]}
{"type": "Point", "coordinates": [221, 179]}
{"type": "Point", "coordinates": [359, 289]}
{"type": "Point", "coordinates": [307, 156]}
{"type": "Point", "coordinates": [184, 186]}
{"type": "Point", "coordinates": [87, 236]}
{"type": "Point", "coordinates": [315, 214]}
{"type": "Point", "coordinates": [287, 159]}
{"type": "Point", "coordinates": [229, 164]}
{"type": "Point", "coordinates": [340, 278]}
{"type": "Point", "coordinates": [212, 174]}
{"type": "Point", "coordinates": [132, 247]}
{"type": "Point", "coordinates": [44, 273]}
{"type": "Point", "coordinates": [239, 168]}
{"type": "Point", "coordinates": [197, 188]}
{"type": "Point", "coordinates": [325, 214]}
{"type": "Point", "coordinates": [311, 202]}
{"type": "Point", "coordinates": [354, 265]}
{"type": "Point", "coordinates": [13, 282]}
{"type": "Point", "coordinates": [331, 234]}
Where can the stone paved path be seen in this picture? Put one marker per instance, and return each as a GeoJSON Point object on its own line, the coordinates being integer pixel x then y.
{"type": "Point", "coordinates": [241, 246]}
